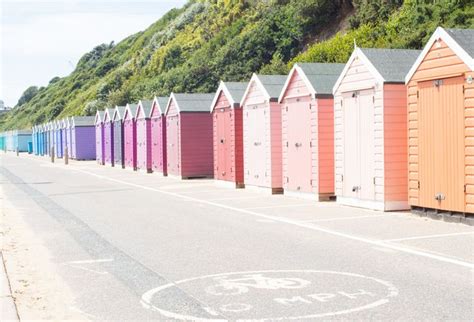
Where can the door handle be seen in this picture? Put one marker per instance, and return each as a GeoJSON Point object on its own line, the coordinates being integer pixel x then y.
{"type": "Point", "coordinates": [355, 188]}
{"type": "Point", "coordinates": [257, 143]}
{"type": "Point", "coordinates": [439, 196]}
{"type": "Point", "coordinates": [298, 144]}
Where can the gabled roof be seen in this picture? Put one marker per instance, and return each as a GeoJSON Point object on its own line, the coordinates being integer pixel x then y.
{"type": "Point", "coordinates": [160, 103]}
{"type": "Point", "coordinates": [270, 85]}
{"type": "Point", "coordinates": [99, 117]}
{"type": "Point", "coordinates": [68, 122]}
{"type": "Point", "coordinates": [109, 113]}
{"type": "Point", "coordinates": [233, 91]}
{"type": "Point", "coordinates": [318, 77]}
{"type": "Point", "coordinates": [146, 107]}
{"type": "Point", "coordinates": [461, 41]}
{"type": "Point", "coordinates": [131, 109]}
{"type": "Point", "coordinates": [77, 121]}
{"type": "Point", "coordinates": [196, 103]}
{"type": "Point", "coordinates": [119, 112]}
{"type": "Point", "coordinates": [386, 65]}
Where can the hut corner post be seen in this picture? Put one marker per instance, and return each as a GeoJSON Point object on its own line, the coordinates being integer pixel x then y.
{"type": "Point", "coordinates": [52, 154]}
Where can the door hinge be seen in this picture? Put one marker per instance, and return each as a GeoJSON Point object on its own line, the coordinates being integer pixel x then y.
{"type": "Point", "coordinates": [463, 89]}
{"type": "Point", "coordinates": [373, 180]}
{"type": "Point", "coordinates": [287, 179]}
{"type": "Point", "coordinates": [417, 94]}
{"type": "Point", "coordinates": [286, 143]}
{"type": "Point", "coordinates": [418, 185]}
{"type": "Point", "coordinates": [286, 107]}
{"type": "Point", "coordinates": [342, 177]}
{"type": "Point", "coordinates": [465, 188]}
{"type": "Point", "coordinates": [310, 144]}
{"type": "Point", "coordinates": [373, 99]}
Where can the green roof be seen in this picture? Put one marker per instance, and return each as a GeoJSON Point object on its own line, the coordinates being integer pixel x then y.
{"type": "Point", "coordinates": [322, 76]}
{"type": "Point", "coordinates": [194, 102]}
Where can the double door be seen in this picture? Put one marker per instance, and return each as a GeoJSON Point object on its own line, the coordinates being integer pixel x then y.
{"type": "Point", "coordinates": [359, 145]}
{"type": "Point", "coordinates": [224, 153]}
{"type": "Point", "coordinates": [298, 145]}
{"type": "Point", "coordinates": [172, 124]}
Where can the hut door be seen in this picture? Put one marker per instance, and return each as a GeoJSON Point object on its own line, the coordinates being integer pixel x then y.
{"type": "Point", "coordinates": [255, 146]}
{"type": "Point", "coordinates": [298, 146]}
{"type": "Point", "coordinates": [359, 143]}
{"type": "Point", "coordinates": [441, 144]}
{"type": "Point", "coordinates": [173, 144]}
{"type": "Point", "coordinates": [221, 144]}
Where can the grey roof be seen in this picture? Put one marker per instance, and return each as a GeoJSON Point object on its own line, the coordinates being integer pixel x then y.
{"type": "Point", "coordinates": [162, 102]}
{"type": "Point", "coordinates": [133, 108]}
{"type": "Point", "coordinates": [147, 105]}
{"type": "Point", "coordinates": [322, 76]}
{"type": "Point", "coordinates": [392, 64]}
{"type": "Point", "coordinates": [110, 111]}
{"type": "Point", "coordinates": [465, 39]}
{"type": "Point", "coordinates": [194, 102]}
{"type": "Point", "coordinates": [120, 110]}
{"type": "Point", "coordinates": [273, 84]}
{"type": "Point", "coordinates": [101, 115]}
{"type": "Point", "coordinates": [236, 90]}
{"type": "Point", "coordinates": [83, 121]}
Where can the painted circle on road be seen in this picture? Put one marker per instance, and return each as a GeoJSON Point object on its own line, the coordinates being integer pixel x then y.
{"type": "Point", "coordinates": [269, 295]}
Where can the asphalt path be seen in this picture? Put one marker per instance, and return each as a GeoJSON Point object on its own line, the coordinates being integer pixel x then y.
{"type": "Point", "coordinates": [141, 246]}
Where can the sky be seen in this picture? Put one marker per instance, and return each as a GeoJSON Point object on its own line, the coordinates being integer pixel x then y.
{"type": "Point", "coordinates": [41, 39]}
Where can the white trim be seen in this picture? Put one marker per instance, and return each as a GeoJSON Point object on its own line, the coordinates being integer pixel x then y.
{"type": "Point", "coordinates": [155, 103]}
{"type": "Point", "coordinates": [127, 108]}
{"type": "Point", "coordinates": [140, 107]}
{"type": "Point", "coordinates": [373, 204]}
{"type": "Point", "coordinates": [98, 118]}
{"type": "Point", "coordinates": [302, 195]}
{"type": "Point", "coordinates": [440, 33]}
{"type": "Point", "coordinates": [172, 97]}
{"type": "Point", "coordinates": [223, 88]}
{"type": "Point", "coordinates": [117, 112]}
{"type": "Point", "coordinates": [296, 68]}
{"type": "Point", "coordinates": [357, 53]}
{"type": "Point", "coordinates": [259, 83]}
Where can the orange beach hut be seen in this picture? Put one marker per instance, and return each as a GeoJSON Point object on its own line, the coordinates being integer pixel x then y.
{"type": "Point", "coordinates": [441, 123]}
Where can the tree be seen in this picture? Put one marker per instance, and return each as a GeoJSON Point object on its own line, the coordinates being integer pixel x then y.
{"type": "Point", "coordinates": [27, 95]}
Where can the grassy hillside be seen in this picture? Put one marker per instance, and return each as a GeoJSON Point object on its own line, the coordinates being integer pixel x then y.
{"type": "Point", "coordinates": [192, 48]}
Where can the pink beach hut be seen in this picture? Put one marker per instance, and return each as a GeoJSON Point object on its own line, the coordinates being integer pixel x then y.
{"type": "Point", "coordinates": [189, 135]}
{"type": "Point", "coordinates": [228, 133]}
{"type": "Point", "coordinates": [371, 134]}
{"type": "Point", "coordinates": [109, 136]}
{"type": "Point", "coordinates": [262, 132]}
{"type": "Point", "coordinates": [308, 130]}
{"type": "Point", "coordinates": [158, 135]}
{"type": "Point", "coordinates": [130, 136]}
{"type": "Point", "coordinates": [99, 137]}
{"type": "Point", "coordinates": [144, 136]}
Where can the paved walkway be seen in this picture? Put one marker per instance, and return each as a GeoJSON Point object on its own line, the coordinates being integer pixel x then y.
{"type": "Point", "coordinates": [8, 310]}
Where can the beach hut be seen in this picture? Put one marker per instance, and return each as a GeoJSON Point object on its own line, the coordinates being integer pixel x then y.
{"type": "Point", "coordinates": [64, 142]}
{"type": "Point", "coordinates": [58, 143]}
{"type": "Point", "coordinates": [99, 137]}
{"type": "Point", "coordinates": [2, 141]}
{"type": "Point", "coordinates": [189, 135]}
{"type": "Point", "coordinates": [371, 129]}
{"type": "Point", "coordinates": [144, 135]}
{"type": "Point", "coordinates": [130, 136]}
{"type": "Point", "coordinates": [34, 137]}
{"type": "Point", "coordinates": [308, 130]}
{"type": "Point", "coordinates": [41, 143]}
{"type": "Point", "coordinates": [68, 136]}
{"type": "Point", "coordinates": [228, 133]}
{"type": "Point", "coordinates": [109, 136]}
{"type": "Point", "coordinates": [441, 123]}
{"type": "Point", "coordinates": [117, 119]}
{"type": "Point", "coordinates": [158, 135]}
{"type": "Point", "coordinates": [83, 137]}
{"type": "Point", "coordinates": [51, 138]}
{"type": "Point", "coordinates": [262, 132]}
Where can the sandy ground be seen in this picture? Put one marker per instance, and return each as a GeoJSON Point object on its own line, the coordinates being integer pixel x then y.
{"type": "Point", "coordinates": [39, 292]}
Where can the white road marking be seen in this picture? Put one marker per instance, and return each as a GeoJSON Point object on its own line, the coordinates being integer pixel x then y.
{"type": "Point", "coordinates": [147, 297]}
{"type": "Point", "coordinates": [91, 261]}
{"type": "Point", "coordinates": [235, 198]}
{"type": "Point", "coordinates": [281, 206]}
{"type": "Point", "coordinates": [369, 241]}
{"type": "Point", "coordinates": [345, 218]}
{"type": "Point", "coordinates": [429, 236]}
